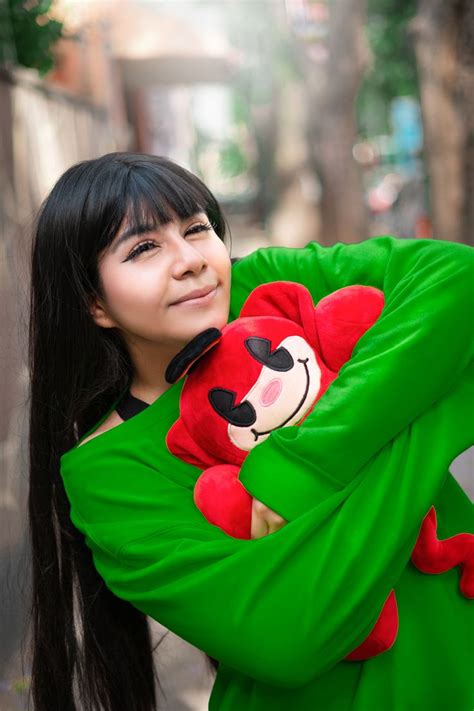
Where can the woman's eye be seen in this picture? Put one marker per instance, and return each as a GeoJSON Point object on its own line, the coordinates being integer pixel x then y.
{"type": "Point", "coordinates": [139, 249]}
{"type": "Point", "coordinates": [198, 228]}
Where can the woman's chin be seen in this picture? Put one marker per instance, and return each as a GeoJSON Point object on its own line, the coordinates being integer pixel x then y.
{"type": "Point", "coordinates": [213, 319]}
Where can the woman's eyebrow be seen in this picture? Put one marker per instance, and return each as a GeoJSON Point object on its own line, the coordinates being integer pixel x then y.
{"type": "Point", "coordinates": [132, 232]}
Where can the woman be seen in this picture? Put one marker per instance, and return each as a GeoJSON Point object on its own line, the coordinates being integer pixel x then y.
{"type": "Point", "coordinates": [120, 242]}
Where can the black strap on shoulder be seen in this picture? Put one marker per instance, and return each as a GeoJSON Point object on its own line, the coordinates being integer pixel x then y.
{"type": "Point", "coordinates": [129, 406]}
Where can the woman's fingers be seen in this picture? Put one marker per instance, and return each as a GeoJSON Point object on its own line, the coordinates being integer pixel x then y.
{"type": "Point", "coordinates": [258, 528]}
{"type": "Point", "coordinates": [264, 520]}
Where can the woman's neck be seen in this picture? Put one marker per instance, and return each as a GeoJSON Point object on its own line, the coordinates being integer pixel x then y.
{"type": "Point", "coordinates": [147, 393]}
{"type": "Point", "coordinates": [148, 380]}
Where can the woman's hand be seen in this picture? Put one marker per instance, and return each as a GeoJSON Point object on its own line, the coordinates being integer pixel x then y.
{"type": "Point", "coordinates": [264, 520]}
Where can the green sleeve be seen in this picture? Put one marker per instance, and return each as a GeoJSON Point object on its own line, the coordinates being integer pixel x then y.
{"type": "Point", "coordinates": [411, 357]}
{"type": "Point", "coordinates": [284, 608]}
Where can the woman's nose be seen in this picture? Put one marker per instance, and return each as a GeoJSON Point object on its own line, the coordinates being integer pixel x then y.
{"type": "Point", "coordinates": [187, 259]}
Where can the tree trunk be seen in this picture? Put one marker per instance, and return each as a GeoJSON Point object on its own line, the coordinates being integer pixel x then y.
{"type": "Point", "coordinates": [443, 33]}
{"type": "Point", "coordinates": [332, 126]}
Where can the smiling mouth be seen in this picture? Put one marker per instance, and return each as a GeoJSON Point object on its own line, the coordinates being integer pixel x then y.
{"type": "Point", "coordinates": [257, 434]}
{"type": "Point", "coordinates": [197, 299]}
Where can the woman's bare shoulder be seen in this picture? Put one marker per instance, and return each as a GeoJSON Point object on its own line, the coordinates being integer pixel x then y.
{"type": "Point", "coordinates": [111, 421]}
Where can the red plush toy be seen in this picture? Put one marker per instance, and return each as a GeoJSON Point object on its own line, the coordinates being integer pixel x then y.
{"type": "Point", "coordinates": [265, 370]}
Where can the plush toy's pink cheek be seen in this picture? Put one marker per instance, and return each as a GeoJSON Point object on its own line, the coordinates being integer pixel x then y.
{"type": "Point", "coordinates": [270, 392]}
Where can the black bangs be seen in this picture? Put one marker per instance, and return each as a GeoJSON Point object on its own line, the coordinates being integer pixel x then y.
{"type": "Point", "coordinates": [137, 189]}
{"type": "Point", "coordinates": [157, 198]}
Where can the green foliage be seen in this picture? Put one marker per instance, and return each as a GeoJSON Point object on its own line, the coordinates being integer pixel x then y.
{"type": "Point", "coordinates": [232, 161]}
{"type": "Point", "coordinates": [28, 33]}
{"type": "Point", "coordinates": [21, 685]}
{"type": "Point", "coordinates": [394, 65]}
{"type": "Point", "coordinates": [240, 107]}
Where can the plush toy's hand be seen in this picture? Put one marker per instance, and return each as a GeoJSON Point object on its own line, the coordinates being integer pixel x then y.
{"type": "Point", "coordinates": [432, 555]}
{"type": "Point", "coordinates": [223, 500]}
{"type": "Point", "coordinates": [264, 520]}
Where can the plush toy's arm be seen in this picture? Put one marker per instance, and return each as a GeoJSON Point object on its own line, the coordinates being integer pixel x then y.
{"type": "Point", "coordinates": [409, 358]}
{"type": "Point", "coordinates": [223, 501]}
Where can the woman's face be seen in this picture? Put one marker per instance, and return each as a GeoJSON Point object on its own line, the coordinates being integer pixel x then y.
{"type": "Point", "coordinates": [144, 276]}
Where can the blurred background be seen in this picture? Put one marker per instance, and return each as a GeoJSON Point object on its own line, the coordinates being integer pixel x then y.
{"type": "Point", "coordinates": [328, 121]}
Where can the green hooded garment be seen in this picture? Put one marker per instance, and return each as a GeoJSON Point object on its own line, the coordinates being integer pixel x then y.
{"type": "Point", "coordinates": [354, 480]}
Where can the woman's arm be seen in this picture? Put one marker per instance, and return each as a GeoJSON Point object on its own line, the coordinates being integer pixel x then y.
{"type": "Point", "coordinates": [405, 362]}
{"type": "Point", "coordinates": [312, 590]}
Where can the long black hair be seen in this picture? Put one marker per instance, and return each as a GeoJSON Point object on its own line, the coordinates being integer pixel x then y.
{"type": "Point", "coordinates": [77, 370]}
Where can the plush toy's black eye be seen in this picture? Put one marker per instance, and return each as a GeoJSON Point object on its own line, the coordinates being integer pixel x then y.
{"type": "Point", "coordinates": [259, 348]}
{"type": "Point", "coordinates": [223, 400]}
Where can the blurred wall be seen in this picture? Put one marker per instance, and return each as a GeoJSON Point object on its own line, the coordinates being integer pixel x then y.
{"type": "Point", "coordinates": [43, 131]}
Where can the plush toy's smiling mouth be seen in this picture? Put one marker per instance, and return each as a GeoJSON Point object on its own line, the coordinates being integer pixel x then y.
{"type": "Point", "coordinates": [298, 407]}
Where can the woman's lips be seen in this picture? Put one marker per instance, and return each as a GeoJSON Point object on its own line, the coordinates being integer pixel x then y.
{"type": "Point", "coordinates": [200, 301]}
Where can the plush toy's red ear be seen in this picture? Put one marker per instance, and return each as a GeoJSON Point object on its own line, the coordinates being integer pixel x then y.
{"type": "Point", "coordinates": [342, 318]}
{"type": "Point", "coordinates": [285, 299]}
{"type": "Point", "coordinates": [182, 445]}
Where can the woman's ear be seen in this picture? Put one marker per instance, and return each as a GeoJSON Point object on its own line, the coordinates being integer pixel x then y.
{"type": "Point", "coordinates": [99, 314]}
